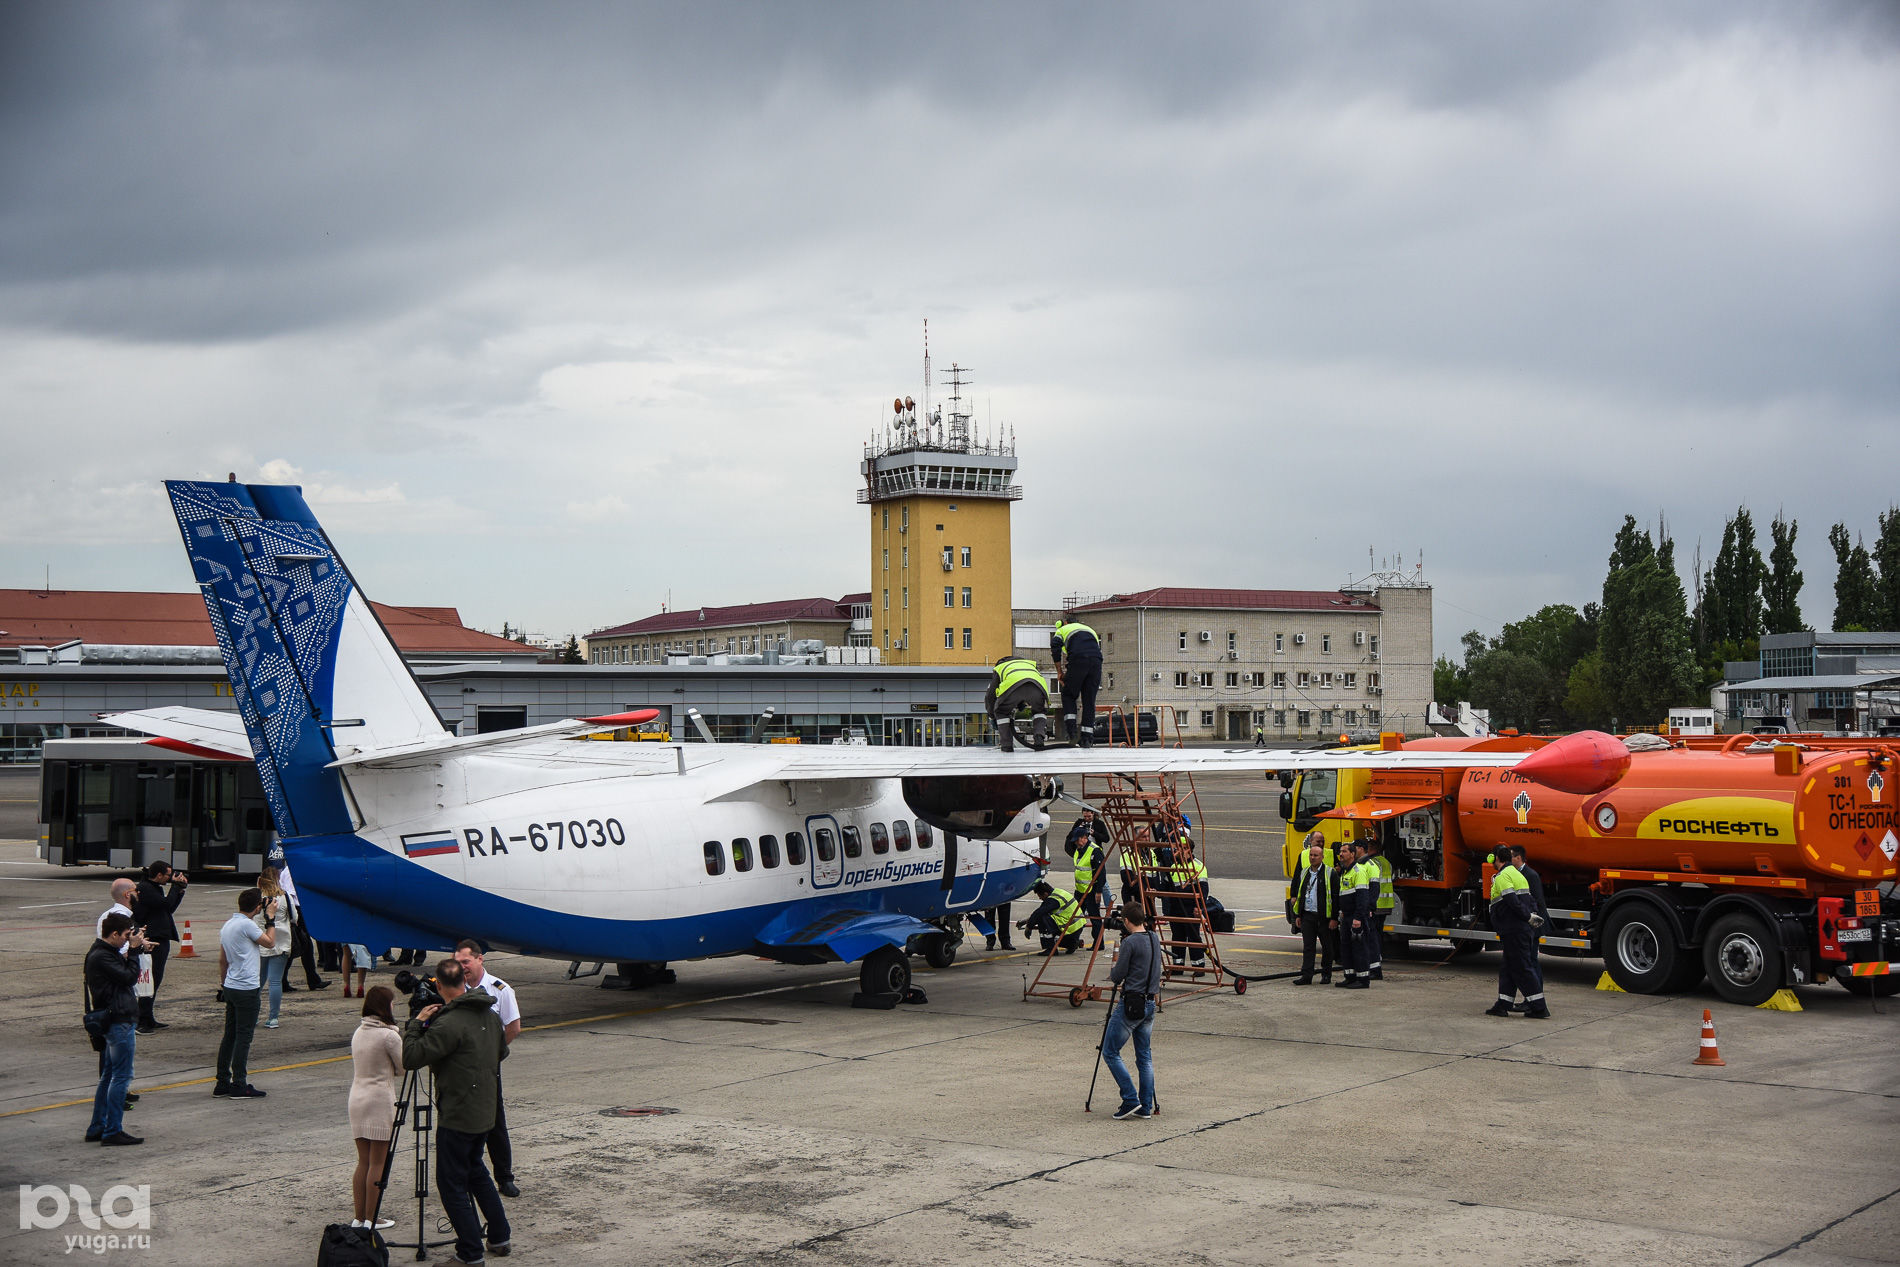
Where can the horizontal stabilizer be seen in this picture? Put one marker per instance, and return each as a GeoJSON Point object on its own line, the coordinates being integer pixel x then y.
{"type": "Point", "coordinates": [847, 934]}
{"type": "Point", "coordinates": [436, 748]}
{"type": "Point", "coordinates": [221, 733]}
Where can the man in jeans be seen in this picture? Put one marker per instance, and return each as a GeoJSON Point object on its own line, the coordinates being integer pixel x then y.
{"type": "Point", "coordinates": [1137, 971]}
{"type": "Point", "coordinates": [110, 976]}
{"type": "Point", "coordinates": [475, 976]}
{"type": "Point", "coordinates": [460, 1040]}
{"type": "Point", "coordinates": [238, 943]}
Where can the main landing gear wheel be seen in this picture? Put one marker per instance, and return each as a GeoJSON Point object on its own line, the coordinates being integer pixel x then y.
{"type": "Point", "coordinates": [886, 970]}
{"type": "Point", "coordinates": [940, 951]}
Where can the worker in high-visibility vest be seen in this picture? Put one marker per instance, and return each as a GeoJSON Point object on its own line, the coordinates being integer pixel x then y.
{"type": "Point", "coordinates": [1189, 876]}
{"type": "Point", "coordinates": [1512, 912]}
{"type": "Point", "coordinates": [1058, 920]}
{"type": "Point", "coordinates": [1383, 901]}
{"type": "Point", "coordinates": [1530, 968]}
{"type": "Point", "coordinates": [1087, 845]}
{"type": "Point", "coordinates": [1078, 656]}
{"type": "Point", "coordinates": [1354, 913]}
{"type": "Point", "coordinates": [1017, 688]}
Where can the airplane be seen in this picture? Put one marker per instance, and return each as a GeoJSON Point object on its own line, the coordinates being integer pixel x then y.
{"type": "Point", "coordinates": [401, 833]}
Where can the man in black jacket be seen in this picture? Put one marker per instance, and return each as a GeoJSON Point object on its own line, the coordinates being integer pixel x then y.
{"type": "Point", "coordinates": [1312, 900]}
{"type": "Point", "coordinates": [152, 908]}
{"type": "Point", "coordinates": [460, 1040]}
{"type": "Point", "coordinates": [111, 974]}
{"type": "Point", "coordinates": [1542, 925]}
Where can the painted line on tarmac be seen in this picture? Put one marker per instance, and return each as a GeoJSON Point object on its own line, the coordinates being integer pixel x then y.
{"type": "Point", "coordinates": [47, 906]}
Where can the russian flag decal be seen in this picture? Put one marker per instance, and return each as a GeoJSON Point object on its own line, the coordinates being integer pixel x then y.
{"type": "Point", "coordinates": [428, 844]}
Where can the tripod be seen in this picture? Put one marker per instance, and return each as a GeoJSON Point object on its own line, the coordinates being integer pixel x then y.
{"type": "Point", "coordinates": [415, 1093]}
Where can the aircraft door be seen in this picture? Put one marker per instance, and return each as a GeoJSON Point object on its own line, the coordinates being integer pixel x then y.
{"type": "Point", "coordinates": [827, 864]}
{"type": "Point", "coordinates": [966, 865]}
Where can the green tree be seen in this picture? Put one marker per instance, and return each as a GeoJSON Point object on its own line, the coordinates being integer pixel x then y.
{"type": "Point", "coordinates": [1856, 588]}
{"type": "Point", "coordinates": [1449, 682]}
{"type": "Point", "coordinates": [1646, 662]}
{"type": "Point", "coordinates": [571, 651]}
{"type": "Point", "coordinates": [1517, 688]}
{"type": "Point", "coordinates": [1781, 587]}
{"type": "Point", "coordinates": [1585, 700]}
{"type": "Point", "coordinates": [1886, 558]}
{"type": "Point", "coordinates": [1732, 593]}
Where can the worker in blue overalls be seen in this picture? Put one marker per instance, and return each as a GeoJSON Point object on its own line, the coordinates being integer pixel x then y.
{"type": "Point", "coordinates": [1078, 656]}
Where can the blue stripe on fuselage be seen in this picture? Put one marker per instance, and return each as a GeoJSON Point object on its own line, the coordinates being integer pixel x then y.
{"type": "Point", "coordinates": [391, 889]}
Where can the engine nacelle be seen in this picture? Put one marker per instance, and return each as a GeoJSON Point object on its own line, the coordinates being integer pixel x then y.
{"type": "Point", "coordinates": [976, 807]}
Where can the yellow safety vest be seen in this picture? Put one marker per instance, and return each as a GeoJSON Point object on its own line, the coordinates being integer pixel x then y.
{"type": "Point", "coordinates": [1013, 673]}
{"type": "Point", "coordinates": [1086, 859]}
{"type": "Point", "coordinates": [1066, 631]}
{"type": "Point", "coordinates": [1068, 912]}
{"type": "Point", "coordinates": [1383, 865]}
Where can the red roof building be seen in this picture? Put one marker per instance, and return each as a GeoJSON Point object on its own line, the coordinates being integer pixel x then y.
{"type": "Point", "coordinates": [1236, 600]}
{"type": "Point", "coordinates": [49, 618]}
{"type": "Point", "coordinates": [745, 629]}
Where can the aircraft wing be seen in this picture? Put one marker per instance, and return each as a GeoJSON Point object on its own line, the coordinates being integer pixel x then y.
{"type": "Point", "coordinates": [849, 762]}
{"type": "Point", "coordinates": [188, 729]}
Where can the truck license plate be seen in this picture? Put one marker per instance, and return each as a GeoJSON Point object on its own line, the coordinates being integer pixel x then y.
{"type": "Point", "coordinates": [1855, 934]}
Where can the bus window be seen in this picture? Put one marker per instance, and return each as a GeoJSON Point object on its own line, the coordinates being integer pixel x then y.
{"type": "Point", "coordinates": [853, 843]}
{"type": "Point", "coordinates": [900, 832]}
{"type": "Point", "coordinates": [742, 854]}
{"type": "Point", "coordinates": [768, 852]}
{"type": "Point", "coordinates": [880, 839]}
{"type": "Point", "coordinates": [822, 842]}
{"type": "Point", "coordinates": [795, 849]}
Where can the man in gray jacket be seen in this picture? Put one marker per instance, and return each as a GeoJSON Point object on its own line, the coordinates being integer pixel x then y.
{"type": "Point", "coordinates": [460, 1040]}
{"type": "Point", "coordinates": [1137, 971]}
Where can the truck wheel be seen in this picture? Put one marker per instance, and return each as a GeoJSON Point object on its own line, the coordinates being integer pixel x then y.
{"type": "Point", "coordinates": [1639, 949]}
{"type": "Point", "coordinates": [940, 951]}
{"type": "Point", "coordinates": [1744, 960]}
{"type": "Point", "coordinates": [1872, 987]}
{"type": "Point", "coordinates": [886, 970]}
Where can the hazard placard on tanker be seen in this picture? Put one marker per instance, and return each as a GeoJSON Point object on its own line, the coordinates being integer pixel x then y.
{"type": "Point", "coordinates": [1847, 819]}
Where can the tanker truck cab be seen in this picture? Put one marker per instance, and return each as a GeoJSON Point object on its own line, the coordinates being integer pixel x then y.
{"type": "Point", "coordinates": [1305, 799]}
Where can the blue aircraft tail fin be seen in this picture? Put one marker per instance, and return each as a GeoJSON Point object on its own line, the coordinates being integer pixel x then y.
{"type": "Point", "coordinates": [312, 668]}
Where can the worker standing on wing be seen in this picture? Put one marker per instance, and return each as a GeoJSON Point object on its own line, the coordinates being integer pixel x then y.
{"type": "Point", "coordinates": [1078, 656]}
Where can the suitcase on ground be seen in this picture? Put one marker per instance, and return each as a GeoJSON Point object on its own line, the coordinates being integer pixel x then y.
{"type": "Point", "coordinates": [346, 1246]}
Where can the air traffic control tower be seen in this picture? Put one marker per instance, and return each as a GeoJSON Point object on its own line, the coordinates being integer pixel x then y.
{"type": "Point", "coordinates": [939, 499]}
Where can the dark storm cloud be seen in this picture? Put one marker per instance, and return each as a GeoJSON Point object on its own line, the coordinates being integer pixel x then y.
{"type": "Point", "coordinates": [1321, 275]}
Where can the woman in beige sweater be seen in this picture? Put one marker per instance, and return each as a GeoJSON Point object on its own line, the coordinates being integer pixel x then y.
{"type": "Point", "coordinates": [376, 1048]}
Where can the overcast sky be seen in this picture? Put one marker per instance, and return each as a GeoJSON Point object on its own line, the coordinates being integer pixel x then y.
{"type": "Point", "coordinates": [554, 309]}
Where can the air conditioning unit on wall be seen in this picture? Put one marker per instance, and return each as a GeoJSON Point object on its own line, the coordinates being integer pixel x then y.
{"type": "Point", "coordinates": [1207, 635]}
{"type": "Point", "coordinates": [1358, 637]}
{"type": "Point", "coordinates": [1233, 655]}
{"type": "Point", "coordinates": [1154, 677]}
{"type": "Point", "coordinates": [1299, 640]}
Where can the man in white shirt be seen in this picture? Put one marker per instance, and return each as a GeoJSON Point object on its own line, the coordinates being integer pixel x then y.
{"type": "Point", "coordinates": [240, 973]}
{"type": "Point", "coordinates": [475, 976]}
{"type": "Point", "coordinates": [121, 905]}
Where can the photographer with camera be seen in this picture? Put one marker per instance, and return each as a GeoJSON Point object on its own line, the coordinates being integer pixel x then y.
{"type": "Point", "coordinates": [460, 1041]}
{"type": "Point", "coordinates": [112, 969]}
{"type": "Point", "coordinates": [240, 972]}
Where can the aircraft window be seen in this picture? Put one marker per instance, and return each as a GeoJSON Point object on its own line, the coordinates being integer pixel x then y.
{"type": "Point", "coordinates": [853, 843]}
{"type": "Point", "coordinates": [823, 844]}
{"type": "Point", "coordinates": [795, 848]}
{"type": "Point", "coordinates": [880, 839]}
{"type": "Point", "coordinates": [768, 851]}
{"type": "Point", "coordinates": [923, 834]}
{"type": "Point", "coordinates": [900, 831]}
{"type": "Point", "coordinates": [715, 858]}
{"type": "Point", "coordinates": [742, 854]}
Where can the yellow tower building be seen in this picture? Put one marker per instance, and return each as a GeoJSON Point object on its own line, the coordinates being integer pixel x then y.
{"type": "Point", "coordinates": [939, 499]}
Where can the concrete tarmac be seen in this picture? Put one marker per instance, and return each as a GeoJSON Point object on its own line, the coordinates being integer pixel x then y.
{"type": "Point", "coordinates": [1396, 1125]}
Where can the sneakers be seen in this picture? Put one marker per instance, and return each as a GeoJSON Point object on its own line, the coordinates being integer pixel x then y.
{"type": "Point", "coordinates": [92, 1137]}
{"type": "Point", "coordinates": [1127, 1111]}
{"type": "Point", "coordinates": [1144, 1112]}
{"type": "Point", "coordinates": [271, 1023]}
{"type": "Point", "coordinates": [222, 1089]}
{"type": "Point", "coordinates": [121, 1140]}
{"type": "Point", "coordinates": [245, 1092]}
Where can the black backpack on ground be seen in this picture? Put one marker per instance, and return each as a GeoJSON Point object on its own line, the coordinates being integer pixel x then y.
{"type": "Point", "coordinates": [346, 1246]}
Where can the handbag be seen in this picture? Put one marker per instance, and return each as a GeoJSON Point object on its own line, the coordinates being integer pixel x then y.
{"type": "Point", "coordinates": [143, 987]}
{"type": "Point", "coordinates": [1134, 1006]}
{"type": "Point", "coordinates": [97, 1022]}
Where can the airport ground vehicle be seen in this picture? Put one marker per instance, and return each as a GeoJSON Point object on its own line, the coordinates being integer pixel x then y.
{"type": "Point", "coordinates": [1760, 864]}
{"type": "Point", "coordinates": [124, 803]}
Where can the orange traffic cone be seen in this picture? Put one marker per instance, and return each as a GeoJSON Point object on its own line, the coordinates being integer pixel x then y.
{"type": "Point", "coordinates": [185, 951]}
{"type": "Point", "coordinates": [1709, 1055]}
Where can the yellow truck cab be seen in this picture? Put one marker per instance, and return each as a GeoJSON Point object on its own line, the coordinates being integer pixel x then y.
{"type": "Point", "coordinates": [1305, 796]}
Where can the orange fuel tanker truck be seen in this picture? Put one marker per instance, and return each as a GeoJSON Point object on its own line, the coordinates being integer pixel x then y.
{"type": "Point", "coordinates": [1760, 865]}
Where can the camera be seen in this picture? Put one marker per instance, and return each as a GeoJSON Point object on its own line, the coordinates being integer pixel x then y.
{"type": "Point", "coordinates": [421, 991]}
